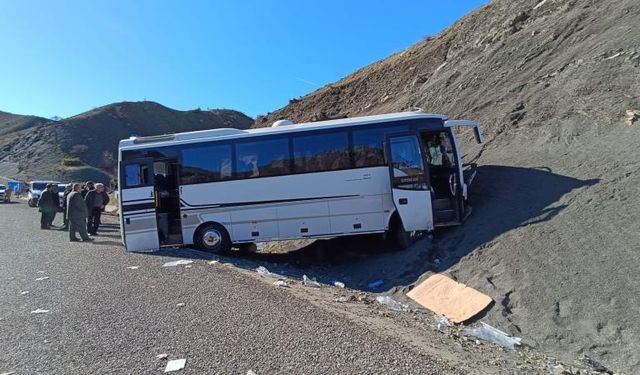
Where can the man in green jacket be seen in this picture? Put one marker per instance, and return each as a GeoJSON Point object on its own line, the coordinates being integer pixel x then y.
{"type": "Point", "coordinates": [77, 215]}
{"type": "Point", "coordinates": [47, 205]}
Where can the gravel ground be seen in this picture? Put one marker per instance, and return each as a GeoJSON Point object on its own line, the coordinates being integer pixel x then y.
{"type": "Point", "coordinates": [106, 318]}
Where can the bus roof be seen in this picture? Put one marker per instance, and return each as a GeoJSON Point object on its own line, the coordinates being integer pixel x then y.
{"type": "Point", "coordinates": [229, 133]}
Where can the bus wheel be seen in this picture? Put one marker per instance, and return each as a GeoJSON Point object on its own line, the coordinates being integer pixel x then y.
{"type": "Point", "coordinates": [212, 237]}
{"type": "Point", "coordinates": [399, 237]}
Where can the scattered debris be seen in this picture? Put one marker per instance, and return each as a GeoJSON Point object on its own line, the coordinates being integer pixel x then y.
{"type": "Point", "coordinates": [487, 333]}
{"type": "Point", "coordinates": [339, 284]}
{"type": "Point", "coordinates": [263, 271]}
{"type": "Point", "coordinates": [42, 278]}
{"type": "Point", "coordinates": [613, 56]}
{"type": "Point", "coordinates": [632, 116]}
{"type": "Point", "coordinates": [175, 365]}
{"type": "Point", "coordinates": [309, 282]}
{"type": "Point", "coordinates": [345, 299]}
{"type": "Point", "coordinates": [250, 372]}
{"type": "Point", "coordinates": [281, 282]}
{"type": "Point", "coordinates": [177, 263]}
{"type": "Point", "coordinates": [391, 303]}
{"type": "Point", "coordinates": [133, 267]}
{"type": "Point", "coordinates": [8, 373]}
{"type": "Point", "coordinates": [213, 262]}
{"type": "Point", "coordinates": [40, 311]}
{"type": "Point", "coordinates": [181, 304]}
{"type": "Point", "coordinates": [376, 284]}
{"type": "Point", "coordinates": [25, 292]}
{"type": "Point", "coordinates": [162, 356]}
{"type": "Point", "coordinates": [442, 323]}
{"type": "Point", "coordinates": [539, 4]}
{"type": "Point", "coordinates": [594, 365]}
{"type": "Point", "coordinates": [450, 298]}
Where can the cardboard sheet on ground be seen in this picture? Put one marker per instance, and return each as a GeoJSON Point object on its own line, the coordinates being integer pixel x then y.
{"type": "Point", "coordinates": [452, 299]}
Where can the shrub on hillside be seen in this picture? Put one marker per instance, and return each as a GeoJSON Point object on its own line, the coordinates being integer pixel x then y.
{"type": "Point", "coordinates": [71, 162]}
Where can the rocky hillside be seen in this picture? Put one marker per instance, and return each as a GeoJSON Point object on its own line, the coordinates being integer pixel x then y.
{"type": "Point", "coordinates": [555, 233]}
{"type": "Point", "coordinates": [85, 146]}
{"type": "Point", "coordinates": [10, 123]}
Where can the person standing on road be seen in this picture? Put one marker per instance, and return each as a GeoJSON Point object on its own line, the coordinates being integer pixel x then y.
{"type": "Point", "coordinates": [87, 188]}
{"type": "Point", "coordinates": [65, 220]}
{"type": "Point", "coordinates": [47, 205]}
{"type": "Point", "coordinates": [77, 215]}
{"type": "Point", "coordinates": [96, 201]}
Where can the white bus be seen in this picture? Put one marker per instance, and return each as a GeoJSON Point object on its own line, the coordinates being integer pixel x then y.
{"type": "Point", "coordinates": [396, 174]}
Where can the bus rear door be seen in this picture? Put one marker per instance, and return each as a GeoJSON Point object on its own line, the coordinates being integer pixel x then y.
{"type": "Point", "coordinates": [138, 205]}
{"type": "Point", "coordinates": [409, 183]}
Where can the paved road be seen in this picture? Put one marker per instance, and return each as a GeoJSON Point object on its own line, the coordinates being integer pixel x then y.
{"type": "Point", "coordinates": [106, 318]}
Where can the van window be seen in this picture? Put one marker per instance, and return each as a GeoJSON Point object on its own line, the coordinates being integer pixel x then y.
{"type": "Point", "coordinates": [263, 158]}
{"type": "Point", "coordinates": [206, 164]}
{"type": "Point", "coordinates": [321, 152]}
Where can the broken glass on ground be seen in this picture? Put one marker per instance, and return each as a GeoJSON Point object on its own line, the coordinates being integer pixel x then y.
{"type": "Point", "coordinates": [39, 311]}
{"type": "Point", "coordinates": [175, 365]}
{"type": "Point", "coordinates": [391, 303]}
{"type": "Point", "coordinates": [442, 323]}
{"type": "Point", "coordinates": [177, 263]}
{"type": "Point", "coordinates": [488, 333]}
{"type": "Point", "coordinates": [309, 282]}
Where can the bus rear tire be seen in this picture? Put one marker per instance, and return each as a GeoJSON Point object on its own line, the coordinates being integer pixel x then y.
{"type": "Point", "coordinates": [213, 238]}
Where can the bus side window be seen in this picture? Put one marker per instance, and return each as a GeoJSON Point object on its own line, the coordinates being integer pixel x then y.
{"type": "Point", "coordinates": [135, 175]}
{"type": "Point", "coordinates": [321, 152]}
{"type": "Point", "coordinates": [262, 158]}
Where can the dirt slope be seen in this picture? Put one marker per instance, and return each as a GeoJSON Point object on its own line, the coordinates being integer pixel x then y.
{"type": "Point", "coordinates": [10, 122]}
{"type": "Point", "coordinates": [555, 233]}
{"type": "Point", "coordinates": [93, 138]}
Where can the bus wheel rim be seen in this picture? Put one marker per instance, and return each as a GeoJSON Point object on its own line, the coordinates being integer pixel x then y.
{"type": "Point", "coordinates": [212, 238]}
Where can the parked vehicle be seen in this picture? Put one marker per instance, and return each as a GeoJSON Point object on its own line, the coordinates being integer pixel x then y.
{"type": "Point", "coordinates": [5, 194]}
{"type": "Point", "coordinates": [395, 174]}
{"type": "Point", "coordinates": [35, 189]}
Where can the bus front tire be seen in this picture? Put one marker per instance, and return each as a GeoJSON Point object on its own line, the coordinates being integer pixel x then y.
{"type": "Point", "coordinates": [212, 237]}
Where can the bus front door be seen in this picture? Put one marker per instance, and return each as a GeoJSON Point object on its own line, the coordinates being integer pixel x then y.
{"type": "Point", "coordinates": [409, 185]}
{"type": "Point", "coordinates": [139, 224]}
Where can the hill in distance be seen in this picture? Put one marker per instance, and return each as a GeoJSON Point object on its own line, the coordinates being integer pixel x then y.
{"type": "Point", "coordinates": [554, 236]}
{"type": "Point", "coordinates": [38, 151]}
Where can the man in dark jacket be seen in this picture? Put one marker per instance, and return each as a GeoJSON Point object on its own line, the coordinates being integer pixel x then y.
{"type": "Point", "coordinates": [65, 220]}
{"type": "Point", "coordinates": [87, 188]}
{"type": "Point", "coordinates": [48, 205]}
{"type": "Point", "coordinates": [77, 215]}
{"type": "Point", "coordinates": [96, 201]}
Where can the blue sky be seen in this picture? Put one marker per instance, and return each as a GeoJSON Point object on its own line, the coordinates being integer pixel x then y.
{"type": "Point", "coordinates": [64, 57]}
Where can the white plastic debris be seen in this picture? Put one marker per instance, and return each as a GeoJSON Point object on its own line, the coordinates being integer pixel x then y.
{"type": "Point", "coordinates": [339, 284]}
{"type": "Point", "coordinates": [25, 292]}
{"type": "Point", "coordinates": [162, 356]}
{"type": "Point", "coordinates": [42, 278]}
{"type": "Point", "coordinates": [442, 323]}
{"type": "Point", "coordinates": [40, 311]}
{"type": "Point", "coordinates": [308, 282]}
{"type": "Point", "coordinates": [133, 267]}
{"type": "Point", "coordinates": [177, 263]}
{"type": "Point", "coordinates": [175, 365]}
{"type": "Point", "coordinates": [250, 372]}
{"type": "Point", "coordinates": [265, 272]}
{"type": "Point", "coordinates": [189, 266]}
{"type": "Point", "coordinates": [214, 262]}
{"type": "Point", "coordinates": [487, 333]}
{"type": "Point", "coordinates": [391, 303]}
{"type": "Point", "coordinates": [280, 283]}
{"type": "Point", "coordinates": [8, 373]}
{"type": "Point", "coordinates": [181, 304]}
{"type": "Point", "coordinates": [376, 284]}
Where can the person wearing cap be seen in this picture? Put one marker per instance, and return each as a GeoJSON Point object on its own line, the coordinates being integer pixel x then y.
{"type": "Point", "coordinates": [47, 205]}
